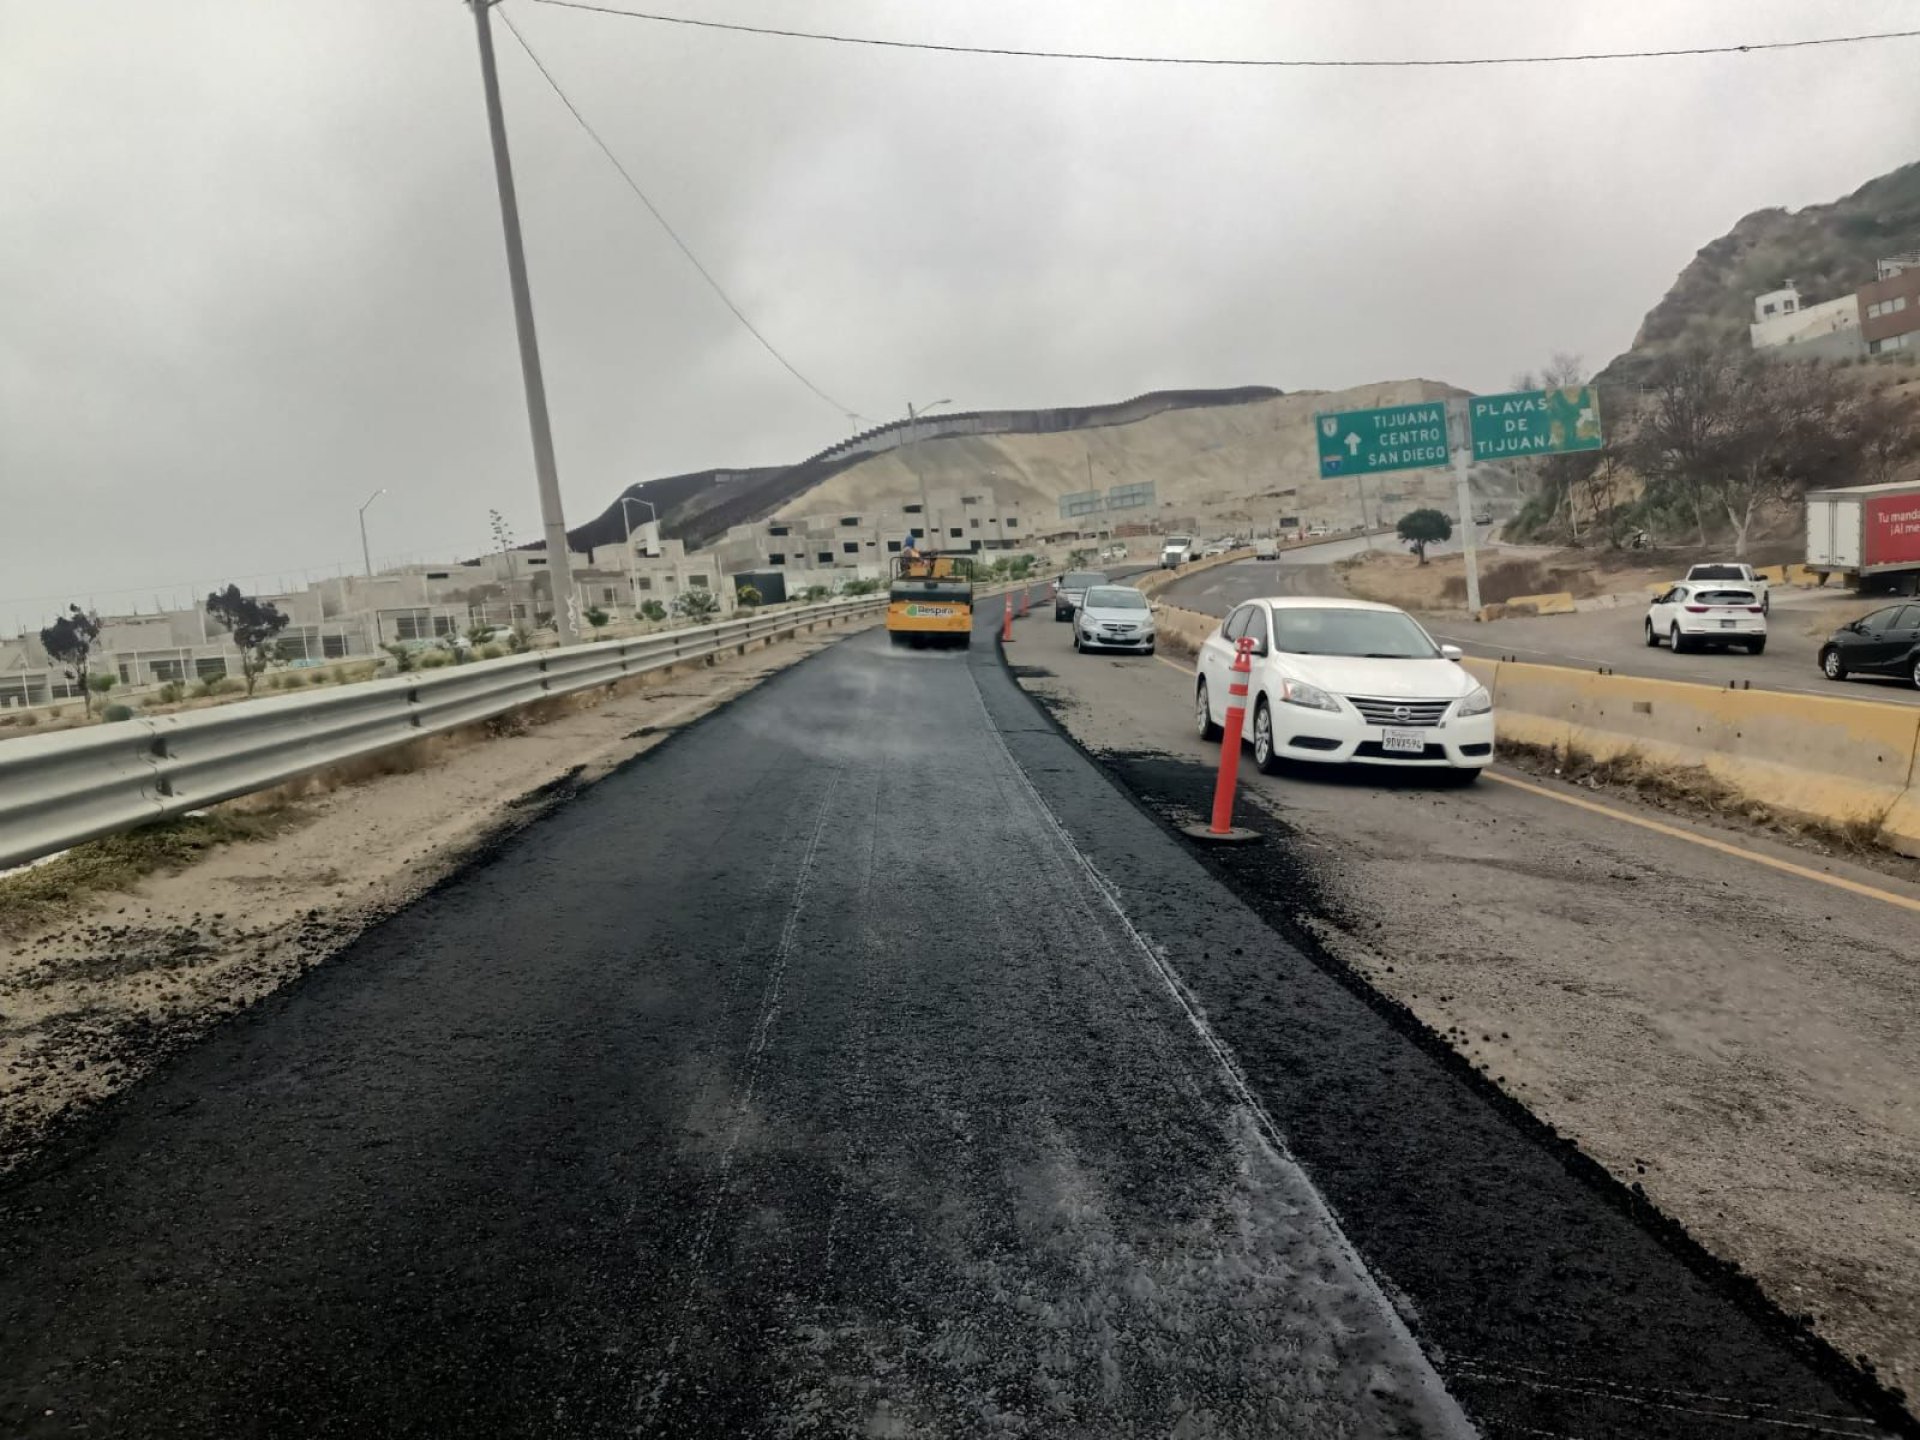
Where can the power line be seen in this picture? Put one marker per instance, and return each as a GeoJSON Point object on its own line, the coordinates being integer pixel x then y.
{"type": "Point", "coordinates": [672, 234]}
{"type": "Point", "coordinates": [1229, 60]}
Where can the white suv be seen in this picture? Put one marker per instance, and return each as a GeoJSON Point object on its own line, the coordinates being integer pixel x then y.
{"type": "Point", "coordinates": [1346, 681]}
{"type": "Point", "coordinates": [1713, 613]}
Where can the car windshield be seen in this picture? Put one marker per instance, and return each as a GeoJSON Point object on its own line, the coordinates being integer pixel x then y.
{"type": "Point", "coordinates": [1116, 597]}
{"type": "Point", "coordinates": [1081, 579]}
{"type": "Point", "coordinates": [1337, 630]}
{"type": "Point", "coordinates": [1723, 597]}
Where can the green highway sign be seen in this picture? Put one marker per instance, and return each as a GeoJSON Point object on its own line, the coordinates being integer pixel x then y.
{"type": "Point", "coordinates": [1365, 442]}
{"type": "Point", "coordinates": [1534, 422]}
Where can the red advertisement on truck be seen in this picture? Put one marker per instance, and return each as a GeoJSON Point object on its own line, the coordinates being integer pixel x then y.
{"type": "Point", "coordinates": [1891, 530]}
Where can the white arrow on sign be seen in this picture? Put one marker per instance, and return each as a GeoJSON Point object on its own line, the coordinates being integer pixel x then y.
{"type": "Point", "coordinates": [1353, 443]}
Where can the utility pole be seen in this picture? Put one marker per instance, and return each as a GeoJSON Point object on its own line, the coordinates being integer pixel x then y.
{"type": "Point", "coordinates": [366, 555]}
{"type": "Point", "coordinates": [1462, 437]}
{"type": "Point", "coordinates": [553, 518]}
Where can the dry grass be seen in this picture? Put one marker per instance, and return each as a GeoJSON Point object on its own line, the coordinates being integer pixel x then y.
{"type": "Point", "coordinates": [1694, 791]}
{"type": "Point", "coordinates": [63, 888]}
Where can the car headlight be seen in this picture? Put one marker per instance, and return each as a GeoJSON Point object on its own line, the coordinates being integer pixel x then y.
{"type": "Point", "coordinates": [1478, 702]}
{"type": "Point", "coordinates": [1298, 692]}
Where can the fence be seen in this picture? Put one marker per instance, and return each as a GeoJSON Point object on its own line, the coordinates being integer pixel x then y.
{"type": "Point", "coordinates": [60, 789]}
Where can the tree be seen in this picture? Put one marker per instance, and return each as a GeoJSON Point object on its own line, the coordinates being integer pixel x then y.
{"type": "Point", "coordinates": [696, 604]}
{"type": "Point", "coordinates": [253, 623]}
{"type": "Point", "coordinates": [653, 610]}
{"type": "Point", "coordinates": [478, 635]}
{"type": "Point", "coordinates": [69, 643]}
{"type": "Point", "coordinates": [596, 617]}
{"type": "Point", "coordinates": [1421, 528]}
{"type": "Point", "coordinates": [101, 684]}
{"type": "Point", "coordinates": [748, 596]}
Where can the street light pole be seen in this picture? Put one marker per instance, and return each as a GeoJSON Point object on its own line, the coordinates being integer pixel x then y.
{"type": "Point", "coordinates": [626, 516]}
{"type": "Point", "coordinates": [913, 461]}
{"type": "Point", "coordinates": [553, 518]}
{"type": "Point", "coordinates": [366, 555]}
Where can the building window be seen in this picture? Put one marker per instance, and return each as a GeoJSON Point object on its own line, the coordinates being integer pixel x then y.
{"type": "Point", "coordinates": [210, 669]}
{"type": "Point", "coordinates": [974, 523]}
{"type": "Point", "coordinates": [439, 575]}
{"type": "Point", "coordinates": [850, 547]}
{"type": "Point", "coordinates": [606, 595]}
{"type": "Point", "coordinates": [645, 582]}
{"type": "Point", "coordinates": [776, 557]}
{"type": "Point", "coordinates": [825, 557]}
{"type": "Point", "coordinates": [1767, 310]}
{"type": "Point", "coordinates": [1012, 522]}
{"type": "Point", "coordinates": [536, 560]}
{"type": "Point", "coordinates": [911, 509]}
{"type": "Point", "coordinates": [443, 624]}
{"type": "Point", "coordinates": [698, 582]}
{"type": "Point", "coordinates": [955, 532]}
{"type": "Point", "coordinates": [333, 646]}
{"type": "Point", "coordinates": [779, 530]}
{"type": "Point", "coordinates": [126, 676]}
{"type": "Point", "coordinates": [849, 520]}
{"type": "Point", "coordinates": [893, 547]}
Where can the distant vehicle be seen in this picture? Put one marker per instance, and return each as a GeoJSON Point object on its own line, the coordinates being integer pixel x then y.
{"type": "Point", "coordinates": [1266, 548]}
{"type": "Point", "coordinates": [1175, 550]}
{"type": "Point", "coordinates": [1314, 532]}
{"type": "Point", "coordinates": [1113, 617]}
{"type": "Point", "coordinates": [1071, 588]}
{"type": "Point", "coordinates": [1215, 547]}
{"type": "Point", "coordinates": [1867, 534]}
{"type": "Point", "coordinates": [1484, 517]}
{"type": "Point", "coordinates": [1887, 642]}
{"type": "Point", "coordinates": [1742, 575]}
{"type": "Point", "coordinates": [930, 600]}
{"type": "Point", "coordinates": [1710, 613]}
{"type": "Point", "coordinates": [1346, 681]}
{"type": "Point", "coordinates": [1114, 552]}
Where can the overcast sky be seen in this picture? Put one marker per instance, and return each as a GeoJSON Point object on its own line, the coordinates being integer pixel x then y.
{"type": "Point", "coordinates": [251, 266]}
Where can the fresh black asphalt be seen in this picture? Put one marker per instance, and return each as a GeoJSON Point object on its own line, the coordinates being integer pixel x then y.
{"type": "Point", "coordinates": [862, 1061]}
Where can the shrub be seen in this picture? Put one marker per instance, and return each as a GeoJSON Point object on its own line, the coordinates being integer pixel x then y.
{"type": "Point", "coordinates": [653, 610]}
{"type": "Point", "coordinates": [171, 692]}
{"type": "Point", "coordinates": [748, 596]}
{"type": "Point", "coordinates": [101, 684]}
{"type": "Point", "coordinates": [817, 592]}
{"type": "Point", "coordinates": [491, 652]}
{"type": "Point", "coordinates": [223, 685]}
{"type": "Point", "coordinates": [115, 712]}
{"type": "Point", "coordinates": [403, 658]}
{"type": "Point", "coordinates": [433, 660]}
{"type": "Point", "coordinates": [595, 616]}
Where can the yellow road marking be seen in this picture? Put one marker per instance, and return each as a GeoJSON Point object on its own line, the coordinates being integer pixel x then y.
{"type": "Point", "coordinates": [1838, 882]}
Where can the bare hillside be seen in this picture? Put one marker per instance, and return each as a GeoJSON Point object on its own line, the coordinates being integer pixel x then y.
{"type": "Point", "coordinates": [1242, 464]}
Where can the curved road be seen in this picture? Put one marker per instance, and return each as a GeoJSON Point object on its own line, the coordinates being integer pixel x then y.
{"type": "Point", "coordinates": [1611, 638]}
{"type": "Point", "coordinates": [860, 1062]}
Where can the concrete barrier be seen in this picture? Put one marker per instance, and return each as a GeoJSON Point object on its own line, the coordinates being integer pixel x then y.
{"type": "Point", "coordinates": [1838, 761]}
{"type": "Point", "coordinates": [1157, 580]}
{"type": "Point", "coordinates": [1182, 632]}
{"type": "Point", "coordinates": [1560, 602]}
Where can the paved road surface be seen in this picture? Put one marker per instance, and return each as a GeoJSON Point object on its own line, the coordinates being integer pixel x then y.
{"type": "Point", "coordinates": [806, 1079]}
{"type": "Point", "coordinates": [1613, 638]}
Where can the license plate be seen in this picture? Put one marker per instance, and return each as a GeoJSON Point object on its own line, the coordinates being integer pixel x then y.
{"type": "Point", "coordinates": [1727, 624]}
{"type": "Point", "coordinates": [1405, 741]}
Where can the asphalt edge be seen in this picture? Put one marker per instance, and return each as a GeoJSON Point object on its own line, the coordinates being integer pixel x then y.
{"type": "Point", "coordinates": [1852, 1377]}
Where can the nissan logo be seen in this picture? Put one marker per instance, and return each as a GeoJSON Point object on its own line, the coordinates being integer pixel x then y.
{"type": "Point", "coordinates": [1401, 712]}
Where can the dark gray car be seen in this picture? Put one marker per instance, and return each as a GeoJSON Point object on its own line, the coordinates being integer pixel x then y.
{"type": "Point", "coordinates": [1072, 589]}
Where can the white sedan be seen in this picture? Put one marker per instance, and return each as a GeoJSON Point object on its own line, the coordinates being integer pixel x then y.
{"type": "Point", "coordinates": [1346, 681]}
{"type": "Point", "coordinates": [1710, 613]}
{"type": "Point", "coordinates": [1113, 617]}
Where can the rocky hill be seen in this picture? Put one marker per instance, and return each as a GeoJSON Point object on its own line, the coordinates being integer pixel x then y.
{"type": "Point", "coordinates": [1228, 457]}
{"type": "Point", "coordinates": [1825, 250]}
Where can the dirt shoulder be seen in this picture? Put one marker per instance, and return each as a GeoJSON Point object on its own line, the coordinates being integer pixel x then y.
{"type": "Point", "coordinates": [91, 1004]}
{"type": "Point", "coordinates": [1730, 1041]}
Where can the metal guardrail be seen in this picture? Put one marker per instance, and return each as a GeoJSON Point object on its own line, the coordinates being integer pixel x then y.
{"type": "Point", "coordinates": [60, 789]}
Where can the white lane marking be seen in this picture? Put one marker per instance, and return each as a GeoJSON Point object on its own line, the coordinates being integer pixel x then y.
{"type": "Point", "coordinates": [1747, 1417]}
{"type": "Point", "coordinates": [769, 1007]}
{"type": "Point", "coordinates": [1453, 1418]}
{"type": "Point", "coordinates": [1495, 1369]}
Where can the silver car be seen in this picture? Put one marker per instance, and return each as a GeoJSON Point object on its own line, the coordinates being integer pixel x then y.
{"type": "Point", "coordinates": [1114, 617]}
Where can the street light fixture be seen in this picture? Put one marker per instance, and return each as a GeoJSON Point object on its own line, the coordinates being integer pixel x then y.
{"type": "Point", "coordinates": [913, 439]}
{"type": "Point", "coordinates": [366, 555]}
